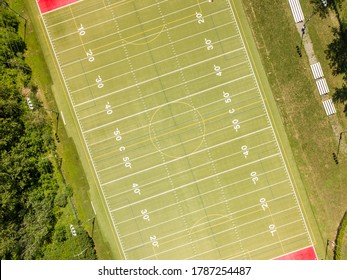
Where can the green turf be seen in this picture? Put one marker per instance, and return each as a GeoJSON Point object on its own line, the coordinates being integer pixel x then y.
{"type": "Point", "coordinates": [177, 129]}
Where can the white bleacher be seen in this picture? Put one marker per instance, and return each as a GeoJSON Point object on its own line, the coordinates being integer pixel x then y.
{"type": "Point", "coordinates": [329, 107]}
{"type": "Point", "coordinates": [296, 10]}
{"type": "Point", "coordinates": [317, 71]}
{"type": "Point", "coordinates": [322, 86]}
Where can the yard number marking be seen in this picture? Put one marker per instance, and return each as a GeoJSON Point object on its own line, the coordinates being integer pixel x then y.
{"type": "Point", "coordinates": [99, 82]}
{"type": "Point", "coordinates": [227, 97]}
{"type": "Point", "coordinates": [108, 109]}
{"type": "Point", "coordinates": [81, 31]}
{"type": "Point", "coordinates": [127, 162]}
{"type": "Point", "coordinates": [245, 151]}
{"type": "Point", "coordinates": [117, 134]}
{"type": "Point", "coordinates": [208, 44]}
{"type": "Point", "coordinates": [136, 189]}
{"type": "Point", "coordinates": [254, 177]}
{"type": "Point", "coordinates": [263, 203]}
{"type": "Point", "coordinates": [200, 17]}
{"type": "Point", "coordinates": [90, 55]}
{"type": "Point", "coordinates": [236, 125]}
{"type": "Point", "coordinates": [272, 229]}
{"type": "Point", "coordinates": [145, 215]}
{"type": "Point", "coordinates": [154, 241]}
{"type": "Point", "coordinates": [218, 70]}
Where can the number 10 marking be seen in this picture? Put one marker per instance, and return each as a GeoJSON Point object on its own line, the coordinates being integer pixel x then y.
{"type": "Point", "coordinates": [272, 229]}
{"type": "Point", "coordinates": [81, 31]}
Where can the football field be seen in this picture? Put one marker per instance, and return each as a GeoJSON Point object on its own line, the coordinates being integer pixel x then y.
{"type": "Point", "coordinates": [177, 129]}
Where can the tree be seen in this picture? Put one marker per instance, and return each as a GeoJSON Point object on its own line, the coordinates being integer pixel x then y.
{"type": "Point", "coordinates": [322, 7]}
{"type": "Point", "coordinates": [337, 51]}
{"type": "Point", "coordinates": [340, 95]}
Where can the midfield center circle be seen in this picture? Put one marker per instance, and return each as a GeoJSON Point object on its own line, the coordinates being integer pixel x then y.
{"type": "Point", "coordinates": [177, 129]}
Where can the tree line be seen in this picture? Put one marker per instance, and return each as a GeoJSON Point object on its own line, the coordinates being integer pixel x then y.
{"type": "Point", "coordinates": [30, 199]}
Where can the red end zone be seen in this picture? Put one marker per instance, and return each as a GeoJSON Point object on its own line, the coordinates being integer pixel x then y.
{"type": "Point", "coordinates": [303, 254]}
{"type": "Point", "coordinates": [51, 5]}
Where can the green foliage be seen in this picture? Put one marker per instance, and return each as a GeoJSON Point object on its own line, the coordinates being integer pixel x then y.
{"type": "Point", "coordinates": [68, 247]}
{"type": "Point", "coordinates": [30, 203]}
{"type": "Point", "coordinates": [341, 233]}
{"type": "Point", "coordinates": [323, 11]}
{"type": "Point", "coordinates": [7, 19]}
{"type": "Point", "coordinates": [340, 95]}
{"type": "Point", "coordinates": [337, 51]}
{"type": "Point", "coordinates": [60, 200]}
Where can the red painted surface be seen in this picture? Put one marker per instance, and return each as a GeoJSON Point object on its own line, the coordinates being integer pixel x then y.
{"type": "Point", "coordinates": [303, 254]}
{"type": "Point", "coordinates": [50, 5]}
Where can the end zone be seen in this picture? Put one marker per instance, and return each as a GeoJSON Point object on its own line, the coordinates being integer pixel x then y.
{"type": "Point", "coordinates": [51, 5]}
{"type": "Point", "coordinates": [302, 254]}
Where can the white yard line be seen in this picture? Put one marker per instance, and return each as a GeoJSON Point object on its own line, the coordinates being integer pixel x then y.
{"type": "Point", "coordinates": [156, 166]}
{"type": "Point", "coordinates": [154, 108]}
{"type": "Point", "coordinates": [238, 256]}
{"type": "Point", "coordinates": [163, 75]}
{"type": "Point", "coordinates": [257, 205]}
{"type": "Point", "coordinates": [93, 208]}
{"type": "Point", "coordinates": [106, 148]}
{"type": "Point", "coordinates": [215, 234]}
{"type": "Point", "coordinates": [62, 117]}
{"type": "Point", "coordinates": [146, 126]}
{"type": "Point", "coordinates": [104, 67]}
{"type": "Point", "coordinates": [164, 178]}
{"type": "Point", "coordinates": [118, 46]}
{"type": "Point", "coordinates": [123, 15]}
{"type": "Point", "coordinates": [180, 158]}
{"type": "Point", "coordinates": [127, 103]}
{"type": "Point", "coordinates": [195, 182]}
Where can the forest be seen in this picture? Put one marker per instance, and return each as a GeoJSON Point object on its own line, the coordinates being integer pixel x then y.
{"type": "Point", "coordinates": [32, 196]}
